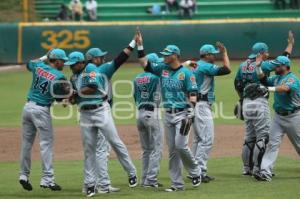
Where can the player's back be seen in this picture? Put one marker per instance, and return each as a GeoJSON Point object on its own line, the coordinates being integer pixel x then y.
{"type": "Point", "coordinates": [146, 87]}
{"type": "Point", "coordinates": [44, 81]}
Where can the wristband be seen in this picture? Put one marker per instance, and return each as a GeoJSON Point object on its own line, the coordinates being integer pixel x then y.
{"type": "Point", "coordinates": [132, 44]}
{"type": "Point", "coordinates": [141, 53]}
{"type": "Point", "coordinates": [271, 89]}
{"type": "Point", "coordinates": [43, 58]}
{"type": "Point", "coordinates": [141, 47]}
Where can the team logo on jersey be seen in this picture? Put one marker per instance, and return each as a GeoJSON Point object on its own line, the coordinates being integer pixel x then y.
{"type": "Point", "coordinates": [290, 80]}
{"type": "Point", "coordinates": [165, 73]}
{"type": "Point", "coordinates": [93, 74]}
{"type": "Point", "coordinates": [181, 76]}
{"type": "Point", "coordinates": [193, 79]}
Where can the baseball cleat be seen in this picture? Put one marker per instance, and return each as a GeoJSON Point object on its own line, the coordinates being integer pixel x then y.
{"type": "Point", "coordinates": [52, 186]}
{"type": "Point", "coordinates": [133, 182]}
{"type": "Point", "coordinates": [247, 173]}
{"type": "Point", "coordinates": [173, 189]}
{"type": "Point", "coordinates": [152, 185]}
{"type": "Point", "coordinates": [26, 185]}
{"type": "Point", "coordinates": [196, 181]}
{"type": "Point", "coordinates": [189, 177]}
{"type": "Point", "coordinates": [113, 189]}
{"type": "Point", "coordinates": [262, 177]}
{"type": "Point", "coordinates": [90, 192]}
{"type": "Point", "coordinates": [207, 179]}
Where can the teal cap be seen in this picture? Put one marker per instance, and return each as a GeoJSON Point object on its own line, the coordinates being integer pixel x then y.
{"type": "Point", "coordinates": [170, 50]}
{"type": "Point", "coordinates": [257, 48]}
{"type": "Point", "coordinates": [153, 57]}
{"type": "Point", "coordinates": [94, 52]}
{"type": "Point", "coordinates": [75, 57]}
{"type": "Point", "coordinates": [208, 49]}
{"type": "Point", "coordinates": [281, 60]}
{"type": "Point", "coordinates": [58, 53]}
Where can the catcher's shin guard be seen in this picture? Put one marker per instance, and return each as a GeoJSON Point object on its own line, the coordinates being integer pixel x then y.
{"type": "Point", "coordinates": [259, 151]}
{"type": "Point", "coordinates": [247, 155]}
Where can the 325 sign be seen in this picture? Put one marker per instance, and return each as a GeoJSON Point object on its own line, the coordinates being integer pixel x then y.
{"type": "Point", "coordinates": [66, 39]}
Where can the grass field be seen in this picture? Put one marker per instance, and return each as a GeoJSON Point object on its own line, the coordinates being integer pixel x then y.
{"type": "Point", "coordinates": [229, 184]}
{"type": "Point", "coordinates": [14, 86]}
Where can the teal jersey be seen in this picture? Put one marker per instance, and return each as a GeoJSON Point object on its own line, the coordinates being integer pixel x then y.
{"type": "Point", "coordinates": [286, 101]}
{"type": "Point", "coordinates": [44, 82]}
{"type": "Point", "coordinates": [90, 77]}
{"type": "Point", "coordinates": [247, 71]}
{"type": "Point", "coordinates": [146, 90]}
{"type": "Point", "coordinates": [175, 84]}
{"type": "Point", "coordinates": [204, 73]}
{"type": "Point", "coordinates": [107, 69]}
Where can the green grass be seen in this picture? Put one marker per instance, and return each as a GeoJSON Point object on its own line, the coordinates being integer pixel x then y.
{"type": "Point", "coordinates": [14, 86]}
{"type": "Point", "coordinates": [229, 183]}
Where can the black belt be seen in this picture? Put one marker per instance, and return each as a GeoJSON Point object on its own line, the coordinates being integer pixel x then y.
{"type": "Point", "coordinates": [90, 106]}
{"type": "Point", "coordinates": [146, 108]}
{"type": "Point", "coordinates": [201, 97]}
{"type": "Point", "coordinates": [39, 104]}
{"type": "Point", "coordinates": [174, 110]}
{"type": "Point", "coordinates": [286, 113]}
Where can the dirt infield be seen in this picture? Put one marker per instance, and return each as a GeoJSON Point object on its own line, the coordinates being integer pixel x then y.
{"type": "Point", "coordinates": [68, 146]}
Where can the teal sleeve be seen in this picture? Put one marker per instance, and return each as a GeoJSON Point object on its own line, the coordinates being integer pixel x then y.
{"type": "Point", "coordinates": [31, 65]}
{"type": "Point", "coordinates": [190, 82]}
{"type": "Point", "coordinates": [108, 69]}
{"type": "Point", "coordinates": [208, 69]}
{"type": "Point", "coordinates": [267, 67]}
{"type": "Point", "coordinates": [292, 84]}
{"type": "Point", "coordinates": [271, 80]}
{"type": "Point", "coordinates": [90, 77]}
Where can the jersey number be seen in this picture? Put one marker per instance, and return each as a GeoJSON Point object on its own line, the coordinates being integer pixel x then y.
{"type": "Point", "coordinates": [43, 86]}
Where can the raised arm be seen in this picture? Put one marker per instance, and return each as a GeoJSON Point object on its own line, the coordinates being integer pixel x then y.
{"type": "Point", "coordinates": [291, 42]}
{"type": "Point", "coordinates": [225, 69]}
{"type": "Point", "coordinates": [141, 53]}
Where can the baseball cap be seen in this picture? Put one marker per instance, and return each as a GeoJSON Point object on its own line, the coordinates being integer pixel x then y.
{"type": "Point", "coordinates": [258, 47]}
{"type": "Point", "coordinates": [153, 57]}
{"type": "Point", "coordinates": [57, 53]}
{"type": "Point", "coordinates": [208, 49]}
{"type": "Point", "coordinates": [94, 52]}
{"type": "Point", "coordinates": [170, 50]}
{"type": "Point", "coordinates": [75, 57]}
{"type": "Point", "coordinates": [281, 60]}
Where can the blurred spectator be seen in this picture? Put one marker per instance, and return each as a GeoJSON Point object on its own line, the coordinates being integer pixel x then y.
{"type": "Point", "coordinates": [171, 4]}
{"type": "Point", "coordinates": [186, 8]}
{"type": "Point", "coordinates": [91, 8]}
{"type": "Point", "coordinates": [280, 4]}
{"type": "Point", "coordinates": [295, 4]}
{"type": "Point", "coordinates": [77, 10]}
{"type": "Point", "coordinates": [63, 13]}
{"type": "Point", "coordinates": [155, 9]}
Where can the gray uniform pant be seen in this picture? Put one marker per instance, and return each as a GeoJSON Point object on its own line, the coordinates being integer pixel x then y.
{"type": "Point", "coordinates": [102, 155]}
{"type": "Point", "coordinates": [150, 132]}
{"type": "Point", "coordinates": [203, 134]}
{"type": "Point", "coordinates": [91, 121]}
{"type": "Point", "coordinates": [281, 124]}
{"type": "Point", "coordinates": [257, 123]}
{"type": "Point", "coordinates": [179, 152]}
{"type": "Point", "coordinates": [37, 119]}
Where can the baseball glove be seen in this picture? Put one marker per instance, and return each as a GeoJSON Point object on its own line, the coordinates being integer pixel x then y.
{"type": "Point", "coordinates": [254, 91]}
{"type": "Point", "coordinates": [187, 122]}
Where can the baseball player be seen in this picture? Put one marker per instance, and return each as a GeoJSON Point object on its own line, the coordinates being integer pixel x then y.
{"type": "Point", "coordinates": [179, 95]}
{"type": "Point", "coordinates": [90, 82]}
{"type": "Point", "coordinates": [255, 105]}
{"type": "Point", "coordinates": [46, 74]}
{"type": "Point", "coordinates": [147, 99]}
{"type": "Point", "coordinates": [203, 125]}
{"type": "Point", "coordinates": [286, 88]}
{"type": "Point", "coordinates": [97, 57]}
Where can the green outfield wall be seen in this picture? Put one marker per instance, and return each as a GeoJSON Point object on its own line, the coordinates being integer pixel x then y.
{"type": "Point", "coordinates": [21, 42]}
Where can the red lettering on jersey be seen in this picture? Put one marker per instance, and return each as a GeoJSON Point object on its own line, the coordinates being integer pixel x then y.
{"type": "Point", "coordinates": [143, 80]}
{"type": "Point", "coordinates": [93, 74]}
{"type": "Point", "coordinates": [165, 73]}
{"type": "Point", "coordinates": [45, 74]}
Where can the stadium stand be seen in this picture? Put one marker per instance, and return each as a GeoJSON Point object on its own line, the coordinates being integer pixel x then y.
{"type": "Point", "coordinates": [132, 10]}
